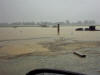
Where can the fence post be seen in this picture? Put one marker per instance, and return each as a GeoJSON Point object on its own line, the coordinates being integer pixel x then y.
{"type": "Point", "coordinates": [58, 29]}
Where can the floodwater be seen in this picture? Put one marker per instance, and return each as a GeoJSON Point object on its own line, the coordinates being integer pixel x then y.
{"type": "Point", "coordinates": [11, 33]}
{"type": "Point", "coordinates": [27, 48]}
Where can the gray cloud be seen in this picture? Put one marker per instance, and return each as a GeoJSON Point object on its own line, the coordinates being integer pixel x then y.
{"type": "Point", "coordinates": [49, 10]}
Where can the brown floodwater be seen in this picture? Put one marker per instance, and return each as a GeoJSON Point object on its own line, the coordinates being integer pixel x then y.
{"type": "Point", "coordinates": [26, 48]}
{"type": "Point", "coordinates": [11, 33]}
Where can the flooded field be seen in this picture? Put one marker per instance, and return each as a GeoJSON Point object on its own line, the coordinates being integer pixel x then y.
{"type": "Point", "coordinates": [12, 33]}
{"type": "Point", "coordinates": [26, 48]}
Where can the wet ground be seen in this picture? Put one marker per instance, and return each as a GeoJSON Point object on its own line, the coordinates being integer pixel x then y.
{"type": "Point", "coordinates": [71, 62]}
{"type": "Point", "coordinates": [25, 49]}
{"type": "Point", "coordinates": [60, 56]}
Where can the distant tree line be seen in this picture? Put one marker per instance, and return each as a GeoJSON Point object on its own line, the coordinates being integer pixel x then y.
{"type": "Point", "coordinates": [67, 22]}
{"type": "Point", "coordinates": [85, 22]}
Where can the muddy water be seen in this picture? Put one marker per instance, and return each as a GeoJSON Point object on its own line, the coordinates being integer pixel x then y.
{"type": "Point", "coordinates": [10, 33]}
{"type": "Point", "coordinates": [64, 60]}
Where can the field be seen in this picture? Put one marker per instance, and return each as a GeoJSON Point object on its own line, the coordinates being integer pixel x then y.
{"type": "Point", "coordinates": [26, 48]}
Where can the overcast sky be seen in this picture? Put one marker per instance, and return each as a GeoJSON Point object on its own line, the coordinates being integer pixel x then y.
{"type": "Point", "coordinates": [49, 10]}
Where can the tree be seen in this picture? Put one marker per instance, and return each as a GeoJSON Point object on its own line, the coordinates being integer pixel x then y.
{"type": "Point", "coordinates": [67, 22]}
{"type": "Point", "coordinates": [92, 22]}
{"type": "Point", "coordinates": [86, 22]}
{"type": "Point", "coordinates": [79, 22]}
